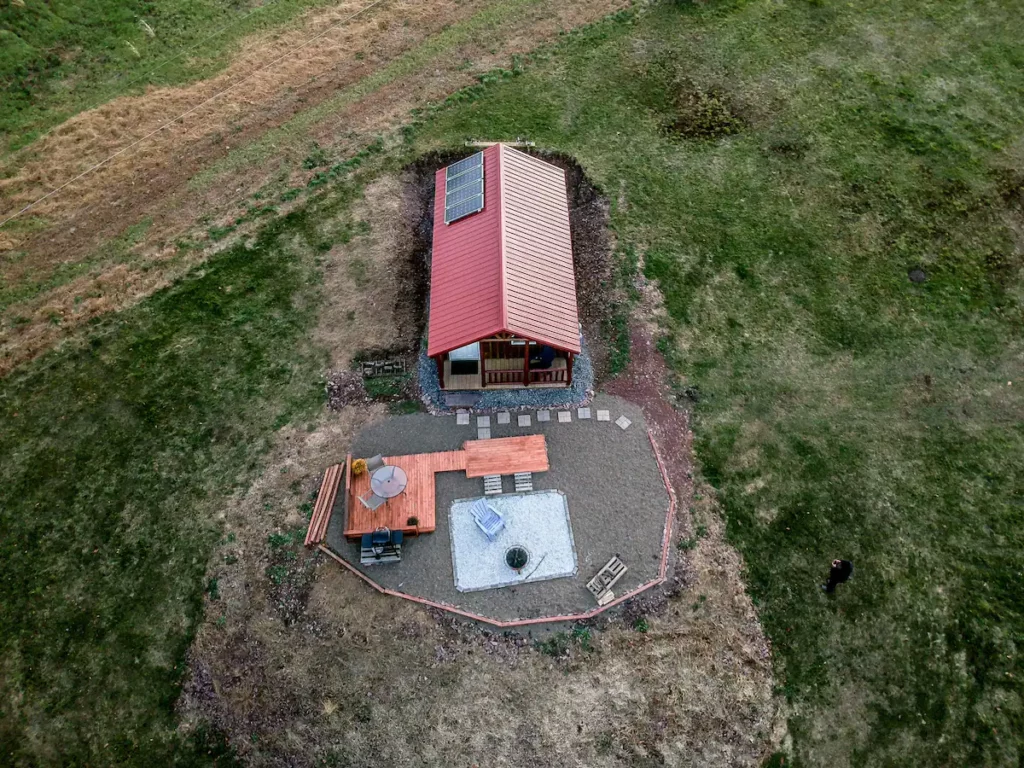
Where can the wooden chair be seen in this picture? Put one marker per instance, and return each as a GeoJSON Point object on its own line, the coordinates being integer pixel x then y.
{"type": "Point", "coordinates": [487, 519]}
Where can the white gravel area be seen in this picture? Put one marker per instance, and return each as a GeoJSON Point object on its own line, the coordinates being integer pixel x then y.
{"type": "Point", "coordinates": [538, 521]}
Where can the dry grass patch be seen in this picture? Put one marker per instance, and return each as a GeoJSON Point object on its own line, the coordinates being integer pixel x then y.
{"type": "Point", "coordinates": [384, 66]}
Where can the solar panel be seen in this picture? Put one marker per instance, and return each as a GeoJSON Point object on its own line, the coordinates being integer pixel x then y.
{"type": "Point", "coordinates": [464, 188]}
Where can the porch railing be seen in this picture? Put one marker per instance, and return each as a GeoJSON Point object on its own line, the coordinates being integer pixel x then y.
{"type": "Point", "coordinates": [503, 377]}
{"type": "Point", "coordinates": [549, 376]}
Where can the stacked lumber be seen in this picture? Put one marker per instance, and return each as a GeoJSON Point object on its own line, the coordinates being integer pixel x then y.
{"type": "Point", "coordinates": [324, 504]}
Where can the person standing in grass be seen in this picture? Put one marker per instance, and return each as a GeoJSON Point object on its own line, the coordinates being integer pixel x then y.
{"type": "Point", "coordinates": [841, 571]}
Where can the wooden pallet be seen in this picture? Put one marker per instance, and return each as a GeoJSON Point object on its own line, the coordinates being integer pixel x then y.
{"type": "Point", "coordinates": [325, 502]}
{"type": "Point", "coordinates": [524, 482]}
{"type": "Point", "coordinates": [605, 579]}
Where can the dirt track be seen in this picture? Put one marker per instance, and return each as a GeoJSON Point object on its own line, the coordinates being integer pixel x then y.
{"type": "Point", "coordinates": [151, 181]}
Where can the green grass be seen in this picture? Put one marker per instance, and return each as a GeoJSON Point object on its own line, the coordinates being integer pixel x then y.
{"type": "Point", "coordinates": [841, 410]}
{"type": "Point", "coordinates": [59, 58]}
{"type": "Point", "coordinates": [117, 453]}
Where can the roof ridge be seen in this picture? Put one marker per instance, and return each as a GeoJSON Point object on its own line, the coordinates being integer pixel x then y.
{"type": "Point", "coordinates": [502, 264]}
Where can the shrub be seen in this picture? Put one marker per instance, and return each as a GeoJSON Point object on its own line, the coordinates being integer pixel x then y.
{"type": "Point", "coordinates": [358, 466]}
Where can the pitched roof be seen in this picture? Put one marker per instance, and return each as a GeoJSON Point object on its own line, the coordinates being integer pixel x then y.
{"type": "Point", "coordinates": [508, 268]}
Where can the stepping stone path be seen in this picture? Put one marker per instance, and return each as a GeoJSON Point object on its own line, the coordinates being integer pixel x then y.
{"type": "Point", "coordinates": [564, 417]}
{"type": "Point", "coordinates": [484, 433]}
{"type": "Point", "coordinates": [543, 415]}
{"type": "Point", "coordinates": [483, 421]}
{"type": "Point", "coordinates": [623, 422]}
{"type": "Point", "coordinates": [583, 413]}
{"type": "Point", "coordinates": [503, 417]}
{"type": "Point", "coordinates": [604, 415]}
{"type": "Point", "coordinates": [462, 418]}
{"type": "Point", "coordinates": [524, 420]}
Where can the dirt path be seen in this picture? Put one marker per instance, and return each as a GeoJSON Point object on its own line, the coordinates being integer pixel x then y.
{"type": "Point", "coordinates": [375, 68]}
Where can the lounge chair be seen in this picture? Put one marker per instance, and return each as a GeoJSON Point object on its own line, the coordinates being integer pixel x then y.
{"type": "Point", "coordinates": [487, 519]}
{"type": "Point", "coordinates": [372, 501]}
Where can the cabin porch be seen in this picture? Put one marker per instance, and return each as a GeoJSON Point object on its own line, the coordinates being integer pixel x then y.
{"type": "Point", "coordinates": [504, 364]}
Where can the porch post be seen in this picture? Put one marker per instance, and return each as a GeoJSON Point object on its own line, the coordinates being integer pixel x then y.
{"type": "Point", "coordinates": [568, 365]}
{"type": "Point", "coordinates": [440, 370]}
{"type": "Point", "coordinates": [483, 365]}
{"type": "Point", "coordinates": [526, 364]}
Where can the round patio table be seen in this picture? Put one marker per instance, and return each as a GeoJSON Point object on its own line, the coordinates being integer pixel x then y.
{"type": "Point", "coordinates": [388, 482]}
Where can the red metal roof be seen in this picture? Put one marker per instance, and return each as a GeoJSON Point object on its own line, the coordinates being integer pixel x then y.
{"type": "Point", "coordinates": [508, 268]}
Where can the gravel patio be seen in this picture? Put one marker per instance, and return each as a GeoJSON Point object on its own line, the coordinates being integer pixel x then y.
{"type": "Point", "coordinates": [616, 498]}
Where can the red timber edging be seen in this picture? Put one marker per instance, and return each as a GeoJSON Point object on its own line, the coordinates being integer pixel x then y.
{"type": "Point", "coordinates": [666, 541]}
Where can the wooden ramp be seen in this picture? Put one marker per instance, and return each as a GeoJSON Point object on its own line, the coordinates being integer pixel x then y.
{"type": "Point", "coordinates": [506, 455]}
{"type": "Point", "coordinates": [416, 502]}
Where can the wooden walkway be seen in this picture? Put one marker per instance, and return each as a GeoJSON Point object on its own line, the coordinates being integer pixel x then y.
{"type": "Point", "coordinates": [506, 455]}
{"type": "Point", "coordinates": [501, 456]}
{"type": "Point", "coordinates": [416, 502]}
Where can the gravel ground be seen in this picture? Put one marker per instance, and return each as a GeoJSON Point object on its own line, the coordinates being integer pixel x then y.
{"type": "Point", "coordinates": [617, 502]}
{"type": "Point", "coordinates": [538, 522]}
{"type": "Point", "coordinates": [512, 399]}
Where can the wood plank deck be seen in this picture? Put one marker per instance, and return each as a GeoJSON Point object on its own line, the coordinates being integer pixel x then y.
{"type": "Point", "coordinates": [417, 500]}
{"type": "Point", "coordinates": [506, 455]}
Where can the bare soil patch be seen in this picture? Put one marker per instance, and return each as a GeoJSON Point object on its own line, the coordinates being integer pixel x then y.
{"type": "Point", "coordinates": [305, 664]}
{"type": "Point", "coordinates": [355, 676]}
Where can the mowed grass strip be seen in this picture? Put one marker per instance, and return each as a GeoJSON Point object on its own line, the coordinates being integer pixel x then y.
{"type": "Point", "coordinates": [57, 59]}
{"type": "Point", "coordinates": [782, 169]}
{"type": "Point", "coordinates": [485, 24]}
{"type": "Point", "coordinates": [117, 453]}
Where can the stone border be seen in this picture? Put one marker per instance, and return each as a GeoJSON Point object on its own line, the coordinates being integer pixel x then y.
{"type": "Point", "coordinates": [666, 541]}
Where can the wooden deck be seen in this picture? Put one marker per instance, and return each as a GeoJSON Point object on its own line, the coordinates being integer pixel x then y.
{"type": "Point", "coordinates": [501, 456]}
{"type": "Point", "coordinates": [417, 500]}
{"type": "Point", "coordinates": [506, 455]}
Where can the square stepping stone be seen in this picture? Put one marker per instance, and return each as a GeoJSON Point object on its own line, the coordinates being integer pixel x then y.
{"type": "Point", "coordinates": [583, 413]}
{"type": "Point", "coordinates": [564, 417]}
{"type": "Point", "coordinates": [503, 417]}
{"type": "Point", "coordinates": [483, 433]}
{"type": "Point", "coordinates": [483, 421]}
{"type": "Point", "coordinates": [524, 420]}
{"type": "Point", "coordinates": [543, 415]}
{"type": "Point", "coordinates": [462, 418]}
{"type": "Point", "coordinates": [623, 422]}
{"type": "Point", "coordinates": [604, 415]}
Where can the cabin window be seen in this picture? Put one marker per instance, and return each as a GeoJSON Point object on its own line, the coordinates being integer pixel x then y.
{"type": "Point", "coordinates": [465, 361]}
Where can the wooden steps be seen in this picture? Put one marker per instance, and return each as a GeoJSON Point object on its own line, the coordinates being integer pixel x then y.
{"type": "Point", "coordinates": [524, 482]}
{"type": "Point", "coordinates": [492, 484]}
{"type": "Point", "coordinates": [325, 502]}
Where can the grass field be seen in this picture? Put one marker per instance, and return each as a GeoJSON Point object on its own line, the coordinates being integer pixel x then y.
{"type": "Point", "coordinates": [117, 454]}
{"type": "Point", "coordinates": [779, 169]}
{"type": "Point", "coordinates": [57, 59]}
{"type": "Point", "coordinates": [782, 169]}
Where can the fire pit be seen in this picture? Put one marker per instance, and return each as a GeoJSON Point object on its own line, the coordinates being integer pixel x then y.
{"type": "Point", "coordinates": [516, 558]}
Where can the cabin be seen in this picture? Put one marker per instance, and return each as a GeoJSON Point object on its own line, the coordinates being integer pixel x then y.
{"type": "Point", "coordinates": [502, 291]}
